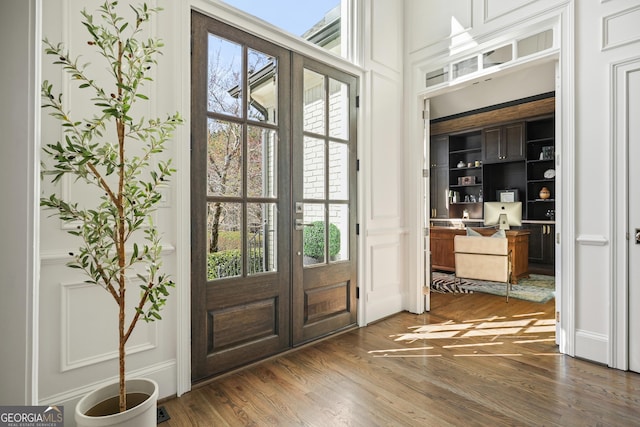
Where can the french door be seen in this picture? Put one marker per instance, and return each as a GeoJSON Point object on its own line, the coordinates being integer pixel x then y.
{"type": "Point", "coordinates": [272, 198]}
{"type": "Point", "coordinates": [324, 194]}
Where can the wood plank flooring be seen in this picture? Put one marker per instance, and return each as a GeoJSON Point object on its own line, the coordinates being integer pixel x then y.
{"type": "Point", "coordinates": [474, 360]}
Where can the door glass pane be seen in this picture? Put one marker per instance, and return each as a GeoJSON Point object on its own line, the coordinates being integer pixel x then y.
{"type": "Point", "coordinates": [497, 56]}
{"type": "Point", "coordinates": [261, 164]}
{"type": "Point", "coordinates": [263, 88]}
{"type": "Point", "coordinates": [313, 237]}
{"type": "Point", "coordinates": [261, 237]}
{"type": "Point", "coordinates": [465, 67]}
{"type": "Point", "coordinates": [338, 232]}
{"type": "Point", "coordinates": [338, 171]}
{"type": "Point", "coordinates": [536, 43]}
{"type": "Point", "coordinates": [314, 168]}
{"type": "Point", "coordinates": [224, 77]}
{"type": "Point", "coordinates": [224, 158]}
{"type": "Point", "coordinates": [224, 240]}
{"type": "Point", "coordinates": [338, 109]}
{"type": "Point", "coordinates": [314, 102]}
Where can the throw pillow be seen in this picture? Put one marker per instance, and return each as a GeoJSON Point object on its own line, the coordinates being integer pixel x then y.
{"type": "Point", "coordinates": [500, 233]}
{"type": "Point", "coordinates": [472, 232]}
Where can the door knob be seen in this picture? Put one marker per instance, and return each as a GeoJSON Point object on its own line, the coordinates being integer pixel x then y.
{"type": "Point", "coordinates": [637, 236]}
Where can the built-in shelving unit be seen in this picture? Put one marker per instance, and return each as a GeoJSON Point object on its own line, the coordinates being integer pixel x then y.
{"type": "Point", "coordinates": [515, 148]}
{"type": "Point", "coordinates": [465, 174]}
{"type": "Point", "coordinates": [540, 169]}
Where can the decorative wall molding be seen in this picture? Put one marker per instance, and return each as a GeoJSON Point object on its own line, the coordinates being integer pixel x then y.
{"type": "Point", "coordinates": [385, 148]}
{"type": "Point", "coordinates": [59, 256]}
{"type": "Point", "coordinates": [76, 349]}
{"type": "Point", "coordinates": [619, 29]}
{"type": "Point", "coordinates": [489, 5]}
{"type": "Point", "coordinates": [383, 42]}
{"type": "Point", "coordinates": [385, 275]}
{"type": "Point", "coordinates": [592, 240]}
{"type": "Point", "coordinates": [391, 231]}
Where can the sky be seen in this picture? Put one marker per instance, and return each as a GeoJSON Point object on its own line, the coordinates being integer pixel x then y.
{"type": "Point", "coordinates": [294, 16]}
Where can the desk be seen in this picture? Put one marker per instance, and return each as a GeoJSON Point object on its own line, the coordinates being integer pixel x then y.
{"type": "Point", "coordinates": [442, 257]}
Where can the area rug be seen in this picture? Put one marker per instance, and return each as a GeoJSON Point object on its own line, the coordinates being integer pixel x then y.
{"type": "Point", "coordinates": [536, 288]}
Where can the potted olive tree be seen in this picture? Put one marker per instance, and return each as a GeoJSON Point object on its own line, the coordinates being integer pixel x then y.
{"type": "Point", "coordinates": [120, 155]}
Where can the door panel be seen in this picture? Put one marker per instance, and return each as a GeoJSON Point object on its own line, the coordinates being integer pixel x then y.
{"type": "Point", "coordinates": [240, 198]}
{"type": "Point", "coordinates": [324, 192]}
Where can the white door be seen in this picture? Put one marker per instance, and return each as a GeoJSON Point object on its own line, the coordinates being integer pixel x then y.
{"type": "Point", "coordinates": [633, 82]}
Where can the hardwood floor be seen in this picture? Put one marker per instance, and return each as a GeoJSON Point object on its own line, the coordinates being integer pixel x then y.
{"type": "Point", "coordinates": [485, 362]}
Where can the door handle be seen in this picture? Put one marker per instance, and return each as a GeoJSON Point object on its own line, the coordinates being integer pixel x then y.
{"type": "Point", "coordinates": [637, 236]}
{"type": "Point", "coordinates": [301, 225]}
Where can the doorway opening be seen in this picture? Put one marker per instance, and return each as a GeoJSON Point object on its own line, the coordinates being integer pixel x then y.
{"type": "Point", "coordinates": [520, 172]}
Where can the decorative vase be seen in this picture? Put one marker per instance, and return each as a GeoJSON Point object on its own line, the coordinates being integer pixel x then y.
{"type": "Point", "coordinates": [545, 193]}
{"type": "Point", "coordinates": [144, 414]}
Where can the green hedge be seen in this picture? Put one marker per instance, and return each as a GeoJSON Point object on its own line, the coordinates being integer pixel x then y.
{"type": "Point", "coordinates": [313, 240]}
{"type": "Point", "coordinates": [231, 263]}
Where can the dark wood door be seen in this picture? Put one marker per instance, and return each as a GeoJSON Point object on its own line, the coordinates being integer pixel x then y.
{"type": "Point", "coordinates": [514, 142]}
{"type": "Point", "coordinates": [324, 195]}
{"type": "Point", "coordinates": [261, 283]}
{"type": "Point", "coordinates": [240, 198]}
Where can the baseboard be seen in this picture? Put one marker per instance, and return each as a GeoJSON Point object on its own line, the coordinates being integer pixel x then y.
{"type": "Point", "coordinates": [592, 346]}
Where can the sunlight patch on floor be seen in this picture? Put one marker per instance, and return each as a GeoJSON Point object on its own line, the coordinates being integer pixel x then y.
{"type": "Point", "coordinates": [483, 333]}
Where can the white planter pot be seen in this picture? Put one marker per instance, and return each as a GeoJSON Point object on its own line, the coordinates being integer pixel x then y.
{"type": "Point", "coordinates": [143, 415]}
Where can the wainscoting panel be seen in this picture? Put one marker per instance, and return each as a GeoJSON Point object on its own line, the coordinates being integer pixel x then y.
{"type": "Point", "coordinates": [86, 338]}
{"type": "Point", "coordinates": [386, 276]}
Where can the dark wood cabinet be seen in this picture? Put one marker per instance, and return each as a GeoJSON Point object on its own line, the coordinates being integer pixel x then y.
{"type": "Point", "coordinates": [439, 176]}
{"type": "Point", "coordinates": [503, 143]}
{"type": "Point", "coordinates": [541, 248]}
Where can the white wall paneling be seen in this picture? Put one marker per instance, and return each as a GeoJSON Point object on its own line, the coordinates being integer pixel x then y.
{"type": "Point", "coordinates": [602, 59]}
{"type": "Point", "coordinates": [494, 9]}
{"type": "Point", "coordinates": [386, 150]}
{"type": "Point", "coordinates": [621, 28]}
{"type": "Point", "coordinates": [625, 105]}
{"type": "Point", "coordinates": [383, 15]}
{"type": "Point", "coordinates": [381, 161]}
